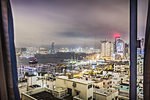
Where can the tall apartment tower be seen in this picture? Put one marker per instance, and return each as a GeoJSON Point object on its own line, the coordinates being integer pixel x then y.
{"type": "Point", "coordinates": [140, 46]}
{"type": "Point", "coordinates": [52, 50]}
{"type": "Point", "coordinates": [120, 47]}
{"type": "Point", "coordinates": [106, 49]}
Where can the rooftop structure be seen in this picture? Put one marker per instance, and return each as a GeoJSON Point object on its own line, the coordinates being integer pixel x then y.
{"type": "Point", "coordinates": [124, 91]}
{"type": "Point", "coordinates": [105, 94]}
{"type": "Point", "coordinates": [75, 80]}
{"type": "Point", "coordinates": [45, 94]}
{"type": "Point", "coordinates": [76, 87]}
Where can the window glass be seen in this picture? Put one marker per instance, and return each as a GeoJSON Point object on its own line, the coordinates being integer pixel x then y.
{"type": "Point", "coordinates": [142, 17]}
{"type": "Point", "coordinates": [66, 42]}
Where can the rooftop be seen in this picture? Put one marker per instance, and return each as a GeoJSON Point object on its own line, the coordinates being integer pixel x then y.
{"type": "Point", "coordinates": [104, 91]}
{"type": "Point", "coordinates": [125, 83]}
{"type": "Point", "coordinates": [44, 95]}
{"type": "Point", "coordinates": [75, 80]}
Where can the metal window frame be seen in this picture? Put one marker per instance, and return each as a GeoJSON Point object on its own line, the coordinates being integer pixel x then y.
{"type": "Point", "coordinates": [133, 50]}
{"type": "Point", "coordinates": [146, 85]}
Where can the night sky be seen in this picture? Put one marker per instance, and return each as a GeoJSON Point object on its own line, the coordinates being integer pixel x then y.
{"type": "Point", "coordinates": [73, 22]}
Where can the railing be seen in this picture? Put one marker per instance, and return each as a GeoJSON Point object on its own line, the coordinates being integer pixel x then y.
{"type": "Point", "coordinates": [26, 95]}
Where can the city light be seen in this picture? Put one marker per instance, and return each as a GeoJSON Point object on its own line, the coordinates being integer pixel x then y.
{"type": "Point", "coordinates": [73, 54]}
{"type": "Point", "coordinates": [116, 35]}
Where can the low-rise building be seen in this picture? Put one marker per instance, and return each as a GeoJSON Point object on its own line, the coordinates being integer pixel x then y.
{"type": "Point", "coordinates": [124, 91]}
{"type": "Point", "coordinates": [76, 87]}
{"type": "Point", "coordinates": [46, 94]}
{"type": "Point", "coordinates": [105, 94]}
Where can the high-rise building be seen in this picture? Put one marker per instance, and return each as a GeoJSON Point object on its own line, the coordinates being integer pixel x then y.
{"type": "Point", "coordinates": [106, 49]}
{"type": "Point", "coordinates": [115, 46]}
{"type": "Point", "coordinates": [140, 56]}
{"type": "Point", "coordinates": [140, 61]}
{"type": "Point", "coordinates": [140, 46]}
{"type": "Point", "coordinates": [120, 47]}
{"type": "Point", "coordinates": [126, 50]}
{"type": "Point", "coordinates": [52, 50]}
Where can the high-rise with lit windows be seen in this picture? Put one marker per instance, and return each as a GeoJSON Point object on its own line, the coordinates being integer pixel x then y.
{"type": "Point", "coordinates": [120, 48]}
{"type": "Point", "coordinates": [106, 49]}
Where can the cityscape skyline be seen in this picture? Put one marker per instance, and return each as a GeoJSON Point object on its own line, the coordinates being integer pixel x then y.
{"type": "Point", "coordinates": [72, 23]}
{"type": "Point", "coordinates": [74, 49]}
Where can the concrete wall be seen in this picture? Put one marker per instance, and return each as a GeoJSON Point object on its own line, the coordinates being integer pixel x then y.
{"type": "Point", "coordinates": [99, 96]}
{"type": "Point", "coordinates": [85, 93]}
{"type": "Point", "coordinates": [32, 80]}
{"type": "Point", "coordinates": [26, 97]}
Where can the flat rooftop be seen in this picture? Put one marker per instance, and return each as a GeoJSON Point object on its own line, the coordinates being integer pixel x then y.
{"type": "Point", "coordinates": [125, 83]}
{"type": "Point", "coordinates": [104, 91]}
{"type": "Point", "coordinates": [75, 80]}
{"type": "Point", "coordinates": [44, 95]}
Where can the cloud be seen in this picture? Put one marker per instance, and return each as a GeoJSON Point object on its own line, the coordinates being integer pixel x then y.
{"type": "Point", "coordinates": [65, 21]}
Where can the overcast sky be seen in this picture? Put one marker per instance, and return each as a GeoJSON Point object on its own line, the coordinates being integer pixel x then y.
{"type": "Point", "coordinates": [73, 22]}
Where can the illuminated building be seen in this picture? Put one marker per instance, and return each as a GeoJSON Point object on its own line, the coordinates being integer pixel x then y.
{"type": "Point", "coordinates": [106, 49]}
{"type": "Point", "coordinates": [124, 90]}
{"type": "Point", "coordinates": [32, 50]}
{"type": "Point", "coordinates": [140, 61]}
{"type": "Point", "coordinates": [21, 50]}
{"type": "Point", "coordinates": [52, 51]}
{"type": "Point", "coordinates": [120, 48]}
{"type": "Point", "coordinates": [63, 50]}
{"type": "Point", "coordinates": [116, 37]}
{"type": "Point", "coordinates": [140, 46]}
{"type": "Point", "coordinates": [105, 94]}
{"type": "Point", "coordinates": [76, 87]}
{"type": "Point", "coordinates": [126, 50]}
